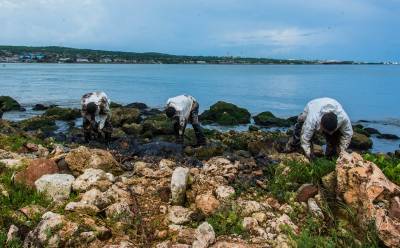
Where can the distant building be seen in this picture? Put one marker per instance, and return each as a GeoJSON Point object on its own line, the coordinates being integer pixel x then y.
{"type": "Point", "coordinates": [82, 60]}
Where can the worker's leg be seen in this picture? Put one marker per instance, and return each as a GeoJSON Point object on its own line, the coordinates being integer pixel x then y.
{"type": "Point", "coordinates": [332, 144]}
{"type": "Point", "coordinates": [194, 120]}
{"type": "Point", "coordinates": [107, 130]}
{"type": "Point", "coordinates": [87, 129]}
{"type": "Point", "coordinates": [178, 137]}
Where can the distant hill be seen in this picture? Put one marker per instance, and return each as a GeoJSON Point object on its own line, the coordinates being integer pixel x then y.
{"type": "Point", "coordinates": [55, 54]}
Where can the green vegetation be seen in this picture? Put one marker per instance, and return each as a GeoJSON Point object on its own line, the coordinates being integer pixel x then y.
{"type": "Point", "coordinates": [268, 119]}
{"type": "Point", "coordinates": [7, 104]}
{"type": "Point", "coordinates": [38, 123]}
{"type": "Point", "coordinates": [390, 166]}
{"type": "Point", "coordinates": [226, 114]}
{"type": "Point", "coordinates": [285, 180]}
{"type": "Point", "coordinates": [16, 142]}
{"type": "Point", "coordinates": [227, 221]}
{"type": "Point", "coordinates": [65, 114]}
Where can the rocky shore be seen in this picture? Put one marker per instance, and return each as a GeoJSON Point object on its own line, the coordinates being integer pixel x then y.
{"type": "Point", "coordinates": [142, 190]}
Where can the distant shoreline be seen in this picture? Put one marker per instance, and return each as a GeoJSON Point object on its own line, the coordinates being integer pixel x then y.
{"type": "Point", "coordinates": [65, 55]}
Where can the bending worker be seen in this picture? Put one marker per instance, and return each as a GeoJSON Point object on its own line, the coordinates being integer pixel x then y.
{"type": "Point", "coordinates": [96, 116]}
{"type": "Point", "coordinates": [327, 116]}
{"type": "Point", "coordinates": [183, 109]}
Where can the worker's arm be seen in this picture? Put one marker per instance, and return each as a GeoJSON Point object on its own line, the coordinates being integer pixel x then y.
{"type": "Point", "coordinates": [347, 133]}
{"type": "Point", "coordinates": [307, 134]}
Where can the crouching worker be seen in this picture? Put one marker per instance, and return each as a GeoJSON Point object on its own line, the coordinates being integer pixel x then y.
{"type": "Point", "coordinates": [183, 109]}
{"type": "Point", "coordinates": [96, 116]}
{"type": "Point", "coordinates": [327, 116]}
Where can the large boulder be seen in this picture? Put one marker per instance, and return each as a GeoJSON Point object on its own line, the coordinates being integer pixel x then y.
{"type": "Point", "coordinates": [363, 186]}
{"type": "Point", "coordinates": [121, 116]}
{"type": "Point", "coordinates": [268, 119]}
{"type": "Point", "coordinates": [224, 113]}
{"type": "Point", "coordinates": [55, 186]}
{"type": "Point", "coordinates": [157, 125]}
{"type": "Point", "coordinates": [8, 104]}
{"type": "Point", "coordinates": [205, 236]}
{"type": "Point", "coordinates": [65, 114]}
{"type": "Point", "coordinates": [207, 204]}
{"type": "Point", "coordinates": [179, 182]}
{"type": "Point", "coordinates": [93, 178]}
{"type": "Point", "coordinates": [43, 123]}
{"type": "Point", "coordinates": [83, 158]}
{"type": "Point", "coordinates": [35, 170]}
{"type": "Point", "coordinates": [360, 142]}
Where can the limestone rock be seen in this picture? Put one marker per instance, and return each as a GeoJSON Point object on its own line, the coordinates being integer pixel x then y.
{"type": "Point", "coordinates": [56, 186]}
{"type": "Point", "coordinates": [83, 158]}
{"type": "Point", "coordinates": [207, 204]}
{"type": "Point", "coordinates": [36, 169]}
{"type": "Point", "coordinates": [82, 207]}
{"type": "Point", "coordinates": [362, 185]}
{"type": "Point", "coordinates": [315, 210]}
{"type": "Point", "coordinates": [97, 198]}
{"type": "Point", "coordinates": [224, 192]}
{"type": "Point", "coordinates": [179, 181]}
{"type": "Point", "coordinates": [12, 163]}
{"type": "Point", "coordinates": [205, 236]}
{"type": "Point", "coordinates": [179, 215]}
{"type": "Point", "coordinates": [12, 233]}
{"type": "Point", "coordinates": [121, 212]}
{"type": "Point", "coordinates": [93, 178]}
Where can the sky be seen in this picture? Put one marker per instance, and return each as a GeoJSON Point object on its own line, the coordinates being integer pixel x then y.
{"type": "Point", "coordinates": [361, 30]}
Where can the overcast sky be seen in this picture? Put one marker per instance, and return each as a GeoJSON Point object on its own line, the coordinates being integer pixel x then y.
{"type": "Point", "coordinates": [364, 30]}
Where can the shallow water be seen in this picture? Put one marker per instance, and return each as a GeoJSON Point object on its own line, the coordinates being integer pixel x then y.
{"type": "Point", "coordinates": [367, 92]}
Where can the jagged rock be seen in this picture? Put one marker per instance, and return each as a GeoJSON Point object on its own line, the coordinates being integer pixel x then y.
{"type": "Point", "coordinates": [270, 120]}
{"type": "Point", "coordinates": [371, 130]}
{"type": "Point", "coordinates": [283, 221]}
{"type": "Point", "coordinates": [12, 234]}
{"type": "Point", "coordinates": [8, 104]}
{"type": "Point", "coordinates": [362, 185]}
{"type": "Point", "coordinates": [97, 198]}
{"type": "Point", "coordinates": [84, 158]}
{"type": "Point", "coordinates": [93, 178]}
{"type": "Point", "coordinates": [52, 231]}
{"type": "Point", "coordinates": [179, 182]}
{"type": "Point", "coordinates": [225, 113]}
{"type": "Point", "coordinates": [40, 107]}
{"type": "Point", "coordinates": [315, 210]}
{"type": "Point", "coordinates": [305, 192]}
{"type": "Point", "coordinates": [394, 210]}
{"type": "Point", "coordinates": [121, 116]}
{"type": "Point", "coordinates": [122, 244]}
{"type": "Point", "coordinates": [260, 217]}
{"type": "Point", "coordinates": [157, 125]}
{"type": "Point", "coordinates": [179, 215]}
{"type": "Point", "coordinates": [159, 149]}
{"type": "Point", "coordinates": [119, 193]}
{"type": "Point", "coordinates": [36, 169]}
{"type": "Point", "coordinates": [186, 236]}
{"type": "Point", "coordinates": [120, 212]}
{"type": "Point", "coordinates": [219, 166]}
{"type": "Point", "coordinates": [249, 224]}
{"type": "Point", "coordinates": [55, 186]}
{"type": "Point", "coordinates": [360, 142]}
{"type": "Point", "coordinates": [205, 236]}
{"type": "Point", "coordinates": [137, 105]}
{"type": "Point", "coordinates": [250, 207]}
{"type": "Point", "coordinates": [388, 136]}
{"type": "Point", "coordinates": [207, 204]}
{"type": "Point", "coordinates": [226, 244]}
{"type": "Point", "coordinates": [132, 128]}
{"type": "Point", "coordinates": [82, 207]}
{"type": "Point", "coordinates": [224, 192]}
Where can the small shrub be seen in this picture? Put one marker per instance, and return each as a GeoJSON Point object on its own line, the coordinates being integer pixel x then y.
{"type": "Point", "coordinates": [390, 166]}
{"type": "Point", "coordinates": [227, 221]}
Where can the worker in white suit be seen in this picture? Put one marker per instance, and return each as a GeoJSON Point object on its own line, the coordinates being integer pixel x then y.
{"type": "Point", "coordinates": [327, 116]}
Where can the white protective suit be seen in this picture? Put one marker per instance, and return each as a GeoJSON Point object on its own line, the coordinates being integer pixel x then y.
{"type": "Point", "coordinates": [183, 105]}
{"type": "Point", "coordinates": [312, 115]}
{"type": "Point", "coordinates": [102, 102]}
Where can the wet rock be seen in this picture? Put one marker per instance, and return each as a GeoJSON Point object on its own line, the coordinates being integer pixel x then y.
{"type": "Point", "coordinates": [83, 158]}
{"type": "Point", "coordinates": [120, 212]}
{"type": "Point", "coordinates": [39, 107]}
{"type": "Point", "coordinates": [360, 142]}
{"type": "Point", "coordinates": [362, 185]}
{"type": "Point", "coordinates": [253, 128]}
{"type": "Point", "coordinates": [137, 105]}
{"type": "Point", "coordinates": [207, 204]}
{"type": "Point", "coordinates": [315, 210]}
{"type": "Point", "coordinates": [82, 207]}
{"type": "Point", "coordinates": [305, 192]}
{"type": "Point", "coordinates": [224, 192]}
{"type": "Point", "coordinates": [179, 215]}
{"type": "Point", "coordinates": [12, 234]}
{"type": "Point", "coordinates": [268, 119]}
{"type": "Point", "coordinates": [132, 128]}
{"type": "Point", "coordinates": [52, 231]}
{"type": "Point", "coordinates": [388, 136]}
{"type": "Point", "coordinates": [36, 169]}
{"type": "Point", "coordinates": [225, 113]}
{"type": "Point", "coordinates": [55, 186]}
{"type": "Point", "coordinates": [115, 105]}
{"type": "Point", "coordinates": [157, 125]}
{"type": "Point", "coordinates": [371, 130]}
{"type": "Point", "coordinates": [43, 123]}
{"type": "Point", "coordinates": [179, 182]}
{"type": "Point", "coordinates": [65, 114]}
{"type": "Point", "coordinates": [121, 116]}
{"type": "Point", "coordinates": [205, 236]}
{"type": "Point", "coordinates": [93, 178]}
{"type": "Point", "coordinates": [208, 151]}
{"type": "Point", "coordinates": [8, 104]}
{"type": "Point", "coordinates": [159, 149]}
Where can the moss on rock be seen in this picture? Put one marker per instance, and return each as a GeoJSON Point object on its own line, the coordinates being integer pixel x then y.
{"type": "Point", "coordinates": [42, 123]}
{"type": "Point", "coordinates": [121, 116]}
{"type": "Point", "coordinates": [158, 125]}
{"type": "Point", "coordinates": [65, 114]}
{"type": "Point", "coordinates": [224, 113]}
{"type": "Point", "coordinates": [8, 104]}
{"type": "Point", "coordinates": [270, 120]}
{"type": "Point", "coordinates": [360, 142]}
